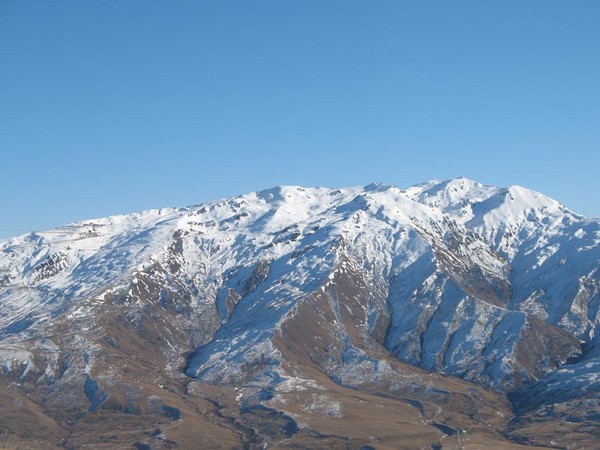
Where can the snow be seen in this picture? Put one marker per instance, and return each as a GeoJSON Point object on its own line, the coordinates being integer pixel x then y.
{"type": "Point", "coordinates": [429, 243]}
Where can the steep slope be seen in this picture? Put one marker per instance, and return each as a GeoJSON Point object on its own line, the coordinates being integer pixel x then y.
{"type": "Point", "coordinates": [216, 315]}
{"type": "Point", "coordinates": [554, 258]}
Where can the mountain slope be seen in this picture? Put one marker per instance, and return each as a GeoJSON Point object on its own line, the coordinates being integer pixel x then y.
{"type": "Point", "coordinates": [219, 313]}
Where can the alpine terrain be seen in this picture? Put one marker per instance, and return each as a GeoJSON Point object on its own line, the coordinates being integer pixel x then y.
{"type": "Point", "coordinates": [447, 315]}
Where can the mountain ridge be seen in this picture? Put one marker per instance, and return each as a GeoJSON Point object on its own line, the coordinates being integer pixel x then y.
{"type": "Point", "coordinates": [363, 287]}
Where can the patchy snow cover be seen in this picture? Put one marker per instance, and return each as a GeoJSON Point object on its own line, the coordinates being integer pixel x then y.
{"type": "Point", "coordinates": [463, 268]}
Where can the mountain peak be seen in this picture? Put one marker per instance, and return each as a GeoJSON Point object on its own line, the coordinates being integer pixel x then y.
{"type": "Point", "coordinates": [324, 294]}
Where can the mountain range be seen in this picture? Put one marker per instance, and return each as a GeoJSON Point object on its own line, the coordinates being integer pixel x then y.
{"type": "Point", "coordinates": [449, 314]}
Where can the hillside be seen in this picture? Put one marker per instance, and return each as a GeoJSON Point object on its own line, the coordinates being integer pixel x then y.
{"type": "Point", "coordinates": [447, 315]}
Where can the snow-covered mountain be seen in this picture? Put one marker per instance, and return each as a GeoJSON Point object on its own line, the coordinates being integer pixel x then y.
{"type": "Point", "coordinates": [289, 289]}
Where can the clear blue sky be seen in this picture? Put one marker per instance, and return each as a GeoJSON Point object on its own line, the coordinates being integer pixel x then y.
{"type": "Point", "coordinates": [109, 107]}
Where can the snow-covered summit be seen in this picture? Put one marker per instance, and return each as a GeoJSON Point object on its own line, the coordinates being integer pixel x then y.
{"type": "Point", "coordinates": [498, 286]}
{"type": "Point", "coordinates": [450, 263]}
{"type": "Point", "coordinates": [466, 200]}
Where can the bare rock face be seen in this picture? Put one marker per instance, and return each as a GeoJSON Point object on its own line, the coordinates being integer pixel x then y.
{"type": "Point", "coordinates": [51, 266]}
{"type": "Point", "coordinates": [447, 314]}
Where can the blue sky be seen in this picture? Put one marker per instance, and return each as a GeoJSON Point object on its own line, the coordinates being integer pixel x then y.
{"type": "Point", "coordinates": [113, 107]}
